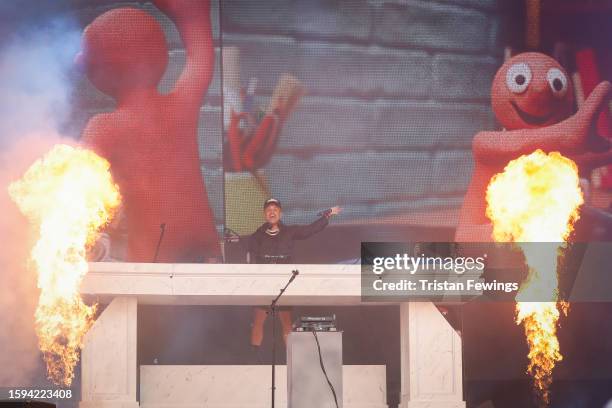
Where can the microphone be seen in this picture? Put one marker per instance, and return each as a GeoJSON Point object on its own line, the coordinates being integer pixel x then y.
{"type": "Point", "coordinates": [324, 213]}
{"type": "Point", "coordinates": [294, 273]}
{"type": "Point", "coordinates": [161, 237]}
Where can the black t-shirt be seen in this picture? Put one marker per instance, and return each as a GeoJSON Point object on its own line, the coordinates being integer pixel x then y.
{"type": "Point", "coordinates": [278, 248]}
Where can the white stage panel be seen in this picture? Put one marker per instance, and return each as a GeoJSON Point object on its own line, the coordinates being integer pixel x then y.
{"type": "Point", "coordinates": [233, 386]}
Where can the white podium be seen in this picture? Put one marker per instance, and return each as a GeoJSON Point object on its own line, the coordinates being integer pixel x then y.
{"type": "Point", "coordinates": [431, 365]}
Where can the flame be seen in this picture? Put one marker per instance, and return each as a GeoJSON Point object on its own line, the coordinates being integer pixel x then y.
{"type": "Point", "coordinates": [536, 199]}
{"type": "Point", "coordinates": [67, 196]}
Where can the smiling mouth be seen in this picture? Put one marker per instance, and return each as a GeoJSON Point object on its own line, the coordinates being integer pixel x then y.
{"type": "Point", "coordinates": [531, 119]}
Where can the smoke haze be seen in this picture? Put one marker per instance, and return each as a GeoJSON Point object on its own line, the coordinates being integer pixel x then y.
{"type": "Point", "coordinates": [35, 68]}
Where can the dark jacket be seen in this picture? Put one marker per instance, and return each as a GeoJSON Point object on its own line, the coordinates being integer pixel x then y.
{"type": "Point", "coordinates": [266, 248]}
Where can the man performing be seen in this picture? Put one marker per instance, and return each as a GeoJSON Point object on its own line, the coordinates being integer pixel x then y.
{"type": "Point", "coordinates": [272, 243]}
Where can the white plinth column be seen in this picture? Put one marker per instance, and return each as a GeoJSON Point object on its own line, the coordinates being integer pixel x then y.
{"type": "Point", "coordinates": [431, 359]}
{"type": "Point", "coordinates": [109, 358]}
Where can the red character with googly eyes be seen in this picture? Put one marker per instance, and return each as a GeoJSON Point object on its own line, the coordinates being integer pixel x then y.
{"type": "Point", "coordinates": [532, 98]}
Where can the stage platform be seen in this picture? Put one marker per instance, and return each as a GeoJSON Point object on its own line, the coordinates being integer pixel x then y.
{"type": "Point", "coordinates": [430, 349]}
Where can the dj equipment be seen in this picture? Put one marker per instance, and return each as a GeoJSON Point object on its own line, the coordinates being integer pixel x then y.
{"type": "Point", "coordinates": [234, 247]}
{"type": "Point", "coordinates": [274, 259]}
{"type": "Point", "coordinates": [316, 323]}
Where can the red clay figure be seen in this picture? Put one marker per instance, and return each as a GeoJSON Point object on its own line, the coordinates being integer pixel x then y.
{"type": "Point", "coordinates": [532, 98]}
{"type": "Point", "coordinates": [150, 139]}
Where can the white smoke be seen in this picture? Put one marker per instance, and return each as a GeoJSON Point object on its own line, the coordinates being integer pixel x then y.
{"type": "Point", "coordinates": [35, 69]}
{"type": "Point", "coordinates": [35, 83]}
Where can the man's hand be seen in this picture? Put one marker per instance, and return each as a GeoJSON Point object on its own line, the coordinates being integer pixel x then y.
{"type": "Point", "coordinates": [335, 210]}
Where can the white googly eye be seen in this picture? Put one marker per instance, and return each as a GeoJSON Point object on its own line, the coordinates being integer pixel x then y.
{"type": "Point", "coordinates": [557, 81]}
{"type": "Point", "coordinates": [518, 77]}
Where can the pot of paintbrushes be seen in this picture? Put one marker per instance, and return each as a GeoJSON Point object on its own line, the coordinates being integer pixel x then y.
{"type": "Point", "coordinates": [251, 138]}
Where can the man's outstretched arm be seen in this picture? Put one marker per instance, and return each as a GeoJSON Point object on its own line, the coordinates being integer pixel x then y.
{"type": "Point", "coordinates": [305, 231]}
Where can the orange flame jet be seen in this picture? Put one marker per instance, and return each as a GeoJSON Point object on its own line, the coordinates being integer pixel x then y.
{"type": "Point", "coordinates": [536, 199]}
{"type": "Point", "coordinates": [67, 196]}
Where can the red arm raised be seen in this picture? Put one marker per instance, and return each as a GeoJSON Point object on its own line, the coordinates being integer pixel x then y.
{"type": "Point", "coordinates": [192, 18]}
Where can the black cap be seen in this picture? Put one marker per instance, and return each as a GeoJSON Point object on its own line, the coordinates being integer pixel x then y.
{"type": "Point", "coordinates": [272, 201]}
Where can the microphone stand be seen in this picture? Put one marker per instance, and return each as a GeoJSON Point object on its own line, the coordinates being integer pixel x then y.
{"type": "Point", "coordinates": [161, 237]}
{"type": "Point", "coordinates": [294, 273]}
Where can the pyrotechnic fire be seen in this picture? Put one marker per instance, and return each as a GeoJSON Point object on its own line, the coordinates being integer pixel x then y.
{"type": "Point", "coordinates": [67, 196]}
{"type": "Point", "coordinates": [536, 199]}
